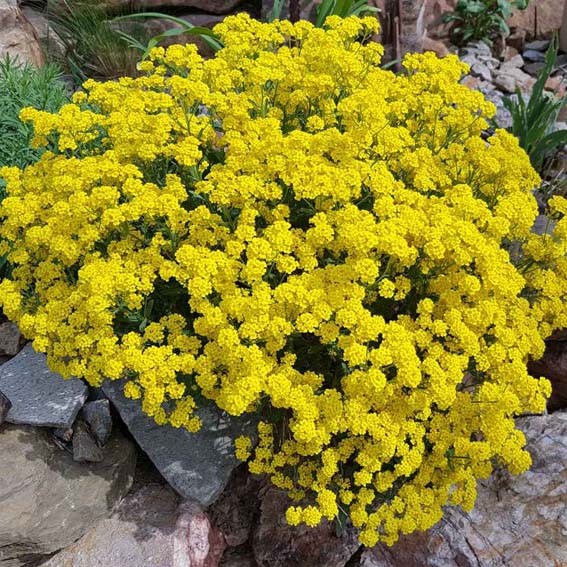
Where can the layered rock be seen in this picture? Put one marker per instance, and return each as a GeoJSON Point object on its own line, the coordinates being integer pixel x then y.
{"type": "Point", "coordinates": [49, 500]}
{"type": "Point", "coordinates": [18, 38]}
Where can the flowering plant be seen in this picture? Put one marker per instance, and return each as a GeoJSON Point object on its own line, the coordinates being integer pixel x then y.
{"type": "Point", "coordinates": [290, 230]}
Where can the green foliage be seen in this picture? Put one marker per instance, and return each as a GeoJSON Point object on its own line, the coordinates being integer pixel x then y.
{"type": "Point", "coordinates": [21, 86]}
{"type": "Point", "coordinates": [480, 20]}
{"type": "Point", "coordinates": [94, 45]}
{"type": "Point", "coordinates": [342, 8]}
{"type": "Point", "coordinates": [183, 27]}
{"type": "Point", "coordinates": [533, 121]}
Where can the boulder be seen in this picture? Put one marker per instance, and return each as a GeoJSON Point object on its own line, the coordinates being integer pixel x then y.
{"type": "Point", "coordinates": [541, 18]}
{"type": "Point", "coordinates": [85, 448]}
{"type": "Point", "coordinates": [18, 38]}
{"type": "Point", "coordinates": [516, 522]}
{"type": "Point", "coordinates": [150, 528]}
{"type": "Point", "coordinates": [40, 397]}
{"type": "Point", "coordinates": [276, 544]}
{"type": "Point", "coordinates": [49, 500]}
{"type": "Point", "coordinates": [197, 465]}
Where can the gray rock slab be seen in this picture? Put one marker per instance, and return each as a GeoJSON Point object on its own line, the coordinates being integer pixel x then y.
{"type": "Point", "coordinates": [537, 45]}
{"type": "Point", "coordinates": [533, 55]}
{"type": "Point", "coordinates": [48, 501]}
{"type": "Point", "coordinates": [39, 397]}
{"type": "Point", "coordinates": [481, 70]}
{"type": "Point", "coordinates": [197, 465]}
{"type": "Point", "coordinates": [97, 416]}
{"type": "Point", "coordinates": [10, 339]}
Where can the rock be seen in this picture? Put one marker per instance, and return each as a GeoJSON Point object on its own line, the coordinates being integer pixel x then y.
{"type": "Point", "coordinates": [40, 397]}
{"type": "Point", "coordinates": [211, 6]}
{"type": "Point", "coordinates": [509, 53]}
{"type": "Point", "coordinates": [479, 48]}
{"type": "Point", "coordinates": [471, 82]}
{"type": "Point", "coordinates": [234, 512]}
{"type": "Point", "coordinates": [85, 448]}
{"type": "Point", "coordinates": [47, 37]}
{"type": "Point", "coordinates": [5, 405]}
{"type": "Point", "coordinates": [553, 365]}
{"type": "Point", "coordinates": [517, 39]}
{"type": "Point", "coordinates": [516, 61]}
{"type": "Point", "coordinates": [148, 529]}
{"type": "Point", "coordinates": [197, 465]}
{"type": "Point", "coordinates": [48, 500]}
{"type": "Point", "coordinates": [533, 69]}
{"type": "Point", "coordinates": [517, 521]}
{"type": "Point", "coordinates": [541, 18]}
{"type": "Point", "coordinates": [482, 71]}
{"type": "Point", "coordinates": [277, 544]}
{"type": "Point", "coordinates": [543, 225]}
{"type": "Point", "coordinates": [238, 558]}
{"type": "Point", "coordinates": [507, 78]}
{"type": "Point", "coordinates": [18, 38]}
{"type": "Point", "coordinates": [10, 339]}
{"type": "Point", "coordinates": [97, 416]}
{"type": "Point", "coordinates": [555, 84]}
{"type": "Point", "coordinates": [532, 55]}
{"type": "Point", "coordinates": [538, 45]}
{"type": "Point", "coordinates": [438, 47]}
{"type": "Point", "coordinates": [63, 434]}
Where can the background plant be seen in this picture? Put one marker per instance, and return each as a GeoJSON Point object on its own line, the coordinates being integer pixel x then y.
{"type": "Point", "coordinates": [327, 247]}
{"type": "Point", "coordinates": [481, 20]}
{"type": "Point", "coordinates": [533, 121]}
{"type": "Point", "coordinates": [94, 46]}
{"type": "Point", "coordinates": [24, 86]}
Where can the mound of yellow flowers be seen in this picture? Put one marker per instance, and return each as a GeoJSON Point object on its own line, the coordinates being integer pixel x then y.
{"type": "Point", "coordinates": [291, 230]}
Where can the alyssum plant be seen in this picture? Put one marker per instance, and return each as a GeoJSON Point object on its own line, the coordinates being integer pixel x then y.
{"type": "Point", "coordinates": [326, 246]}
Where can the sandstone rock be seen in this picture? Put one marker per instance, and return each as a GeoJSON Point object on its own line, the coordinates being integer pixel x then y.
{"type": "Point", "coordinates": [197, 465]}
{"type": "Point", "coordinates": [148, 529]}
{"type": "Point", "coordinates": [5, 405]}
{"type": "Point", "coordinates": [507, 78]}
{"type": "Point", "coordinates": [10, 339]}
{"type": "Point", "coordinates": [97, 416]}
{"type": "Point", "coordinates": [47, 37]}
{"type": "Point", "coordinates": [438, 47]}
{"type": "Point", "coordinates": [85, 448]}
{"type": "Point", "coordinates": [211, 6]}
{"type": "Point", "coordinates": [509, 53]}
{"type": "Point", "coordinates": [18, 38]}
{"type": "Point", "coordinates": [48, 500]}
{"type": "Point", "coordinates": [277, 544]}
{"type": "Point", "coordinates": [39, 397]}
{"type": "Point", "coordinates": [517, 39]}
{"type": "Point", "coordinates": [517, 521]}
{"type": "Point", "coordinates": [540, 19]}
{"type": "Point", "coordinates": [553, 365]}
{"type": "Point", "coordinates": [555, 84]}
{"type": "Point", "coordinates": [515, 61]}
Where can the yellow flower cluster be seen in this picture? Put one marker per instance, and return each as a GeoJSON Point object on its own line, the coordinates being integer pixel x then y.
{"type": "Point", "coordinates": [291, 230]}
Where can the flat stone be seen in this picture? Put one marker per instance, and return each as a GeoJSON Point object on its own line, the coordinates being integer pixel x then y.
{"type": "Point", "coordinates": [478, 47]}
{"type": "Point", "coordinates": [150, 528]}
{"type": "Point", "coordinates": [197, 465]}
{"type": "Point", "coordinates": [507, 78]}
{"type": "Point", "coordinates": [516, 522]}
{"type": "Point", "coordinates": [537, 45]}
{"type": "Point", "coordinates": [534, 68]}
{"type": "Point", "coordinates": [482, 71]}
{"type": "Point", "coordinates": [5, 405]}
{"type": "Point", "coordinates": [516, 61]}
{"type": "Point", "coordinates": [40, 397]}
{"type": "Point", "coordinates": [543, 225]}
{"type": "Point", "coordinates": [48, 500]}
{"type": "Point", "coordinates": [10, 339]}
{"type": "Point", "coordinates": [85, 448]}
{"type": "Point", "coordinates": [532, 55]}
{"type": "Point", "coordinates": [97, 416]}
